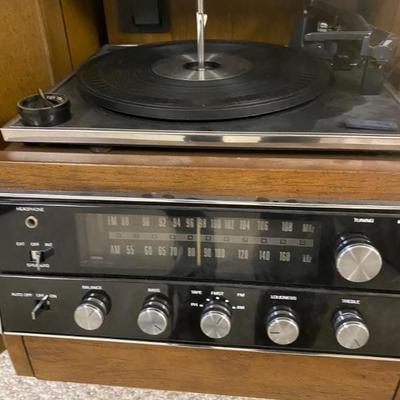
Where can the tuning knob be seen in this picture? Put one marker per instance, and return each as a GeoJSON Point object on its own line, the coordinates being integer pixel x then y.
{"type": "Point", "coordinates": [282, 326]}
{"type": "Point", "coordinates": [357, 260]}
{"type": "Point", "coordinates": [90, 314]}
{"type": "Point", "coordinates": [154, 317]}
{"type": "Point", "coordinates": [351, 331]}
{"type": "Point", "coordinates": [216, 320]}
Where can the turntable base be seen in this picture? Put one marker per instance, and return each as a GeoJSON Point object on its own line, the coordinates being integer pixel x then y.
{"type": "Point", "coordinates": [316, 125]}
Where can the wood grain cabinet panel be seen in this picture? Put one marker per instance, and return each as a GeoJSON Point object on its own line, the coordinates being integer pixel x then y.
{"type": "Point", "coordinates": [239, 373]}
{"type": "Point", "coordinates": [250, 175]}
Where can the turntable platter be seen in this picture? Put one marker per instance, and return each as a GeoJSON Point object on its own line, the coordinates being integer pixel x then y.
{"type": "Point", "coordinates": [240, 80]}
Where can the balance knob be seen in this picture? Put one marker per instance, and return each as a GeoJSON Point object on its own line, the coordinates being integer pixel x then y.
{"type": "Point", "coordinates": [90, 314]}
{"type": "Point", "coordinates": [357, 260]}
{"type": "Point", "coordinates": [351, 331]}
{"type": "Point", "coordinates": [282, 326]}
{"type": "Point", "coordinates": [154, 318]}
{"type": "Point", "coordinates": [216, 320]}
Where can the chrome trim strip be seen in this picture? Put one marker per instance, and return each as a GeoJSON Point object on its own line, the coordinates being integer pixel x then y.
{"type": "Point", "coordinates": [239, 140]}
{"type": "Point", "coordinates": [57, 196]}
{"type": "Point", "coordinates": [199, 347]}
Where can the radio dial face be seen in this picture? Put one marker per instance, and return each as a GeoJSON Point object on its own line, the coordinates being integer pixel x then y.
{"type": "Point", "coordinates": [91, 313]}
{"type": "Point", "coordinates": [154, 318]}
{"type": "Point", "coordinates": [282, 326]}
{"type": "Point", "coordinates": [357, 260]}
{"type": "Point", "coordinates": [215, 320]}
{"type": "Point", "coordinates": [351, 331]}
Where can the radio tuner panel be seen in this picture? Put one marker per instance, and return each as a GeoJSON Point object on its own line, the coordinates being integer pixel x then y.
{"type": "Point", "coordinates": [263, 243]}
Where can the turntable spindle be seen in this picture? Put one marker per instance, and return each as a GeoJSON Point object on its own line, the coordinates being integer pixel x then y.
{"type": "Point", "coordinates": [201, 24]}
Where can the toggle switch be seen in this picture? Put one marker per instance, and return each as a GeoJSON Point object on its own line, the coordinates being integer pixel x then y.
{"type": "Point", "coordinates": [40, 256]}
{"type": "Point", "coordinates": [42, 305]}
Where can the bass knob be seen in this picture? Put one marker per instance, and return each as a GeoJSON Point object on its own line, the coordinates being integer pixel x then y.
{"type": "Point", "coordinates": [351, 331]}
{"type": "Point", "coordinates": [154, 317]}
{"type": "Point", "coordinates": [357, 259]}
{"type": "Point", "coordinates": [215, 320]}
{"type": "Point", "coordinates": [91, 313]}
{"type": "Point", "coordinates": [282, 326]}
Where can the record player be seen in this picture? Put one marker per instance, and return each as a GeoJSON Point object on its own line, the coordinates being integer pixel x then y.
{"type": "Point", "coordinates": [145, 266]}
{"type": "Point", "coordinates": [329, 89]}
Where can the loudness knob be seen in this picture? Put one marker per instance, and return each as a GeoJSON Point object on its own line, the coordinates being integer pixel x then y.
{"type": "Point", "coordinates": [282, 326]}
{"type": "Point", "coordinates": [216, 320]}
{"type": "Point", "coordinates": [154, 317]}
{"type": "Point", "coordinates": [90, 314]}
{"type": "Point", "coordinates": [351, 331]}
{"type": "Point", "coordinates": [357, 260]}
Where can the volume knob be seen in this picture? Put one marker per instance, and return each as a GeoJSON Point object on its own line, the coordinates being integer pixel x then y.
{"type": "Point", "coordinates": [351, 331]}
{"type": "Point", "coordinates": [357, 260]}
{"type": "Point", "coordinates": [282, 326]}
{"type": "Point", "coordinates": [91, 313]}
{"type": "Point", "coordinates": [154, 318]}
{"type": "Point", "coordinates": [216, 320]}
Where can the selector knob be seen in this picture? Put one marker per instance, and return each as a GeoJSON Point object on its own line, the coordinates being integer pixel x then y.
{"type": "Point", "coordinates": [216, 320]}
{"type": "Point", "coordinates": [282, 326]}
{"type": "Point", "coordinates": [91, 313]}
{"type": "Point", "coordinates": [351, 331]}
{"type": "Point", "coordinates": [357, 260]}
{"type": "Point", "coordinates": [154, 317]}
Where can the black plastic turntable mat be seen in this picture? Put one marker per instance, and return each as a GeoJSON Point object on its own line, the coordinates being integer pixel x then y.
{"type": "Point", "coordinates": [265, 79]}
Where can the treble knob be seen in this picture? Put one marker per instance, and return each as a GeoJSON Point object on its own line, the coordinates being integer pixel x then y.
{"type": "Point", "coordinates": [154, 318]}
{"type": "Point", "coordinates": [357, 259]}
{"type": "Point", "coordinates": [351, 331]}
{"type": "Point", "coordinates": [216, 320]}
{"type": "Point", "coordinates": [282, 326]}
{"type": "Point", "coordinates": [91, 313]}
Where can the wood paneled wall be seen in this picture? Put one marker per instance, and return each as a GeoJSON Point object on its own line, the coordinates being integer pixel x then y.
{"type": "Point", "coordinates": [41, 41]}
{"type": "Point", "coordinates": [263, 20]}
{"type": "Point", "coordinates": [24, 62]}
{"type": "Point", "coordinates": [385, 14]}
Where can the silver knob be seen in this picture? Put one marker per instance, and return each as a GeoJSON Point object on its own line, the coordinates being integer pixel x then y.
{"type": "Point", "coordinates": [282, 326]}
{"type": "Point", "coordinates": [216, 320]}
{"type": "Point", "coordinates": [351, 331]}
{"type": "Point", "coordinates": [91, 313]}
{"type": "Point", "coordinates": [358, 260]}
{"type": "Point", "coordinates": [153, 320]}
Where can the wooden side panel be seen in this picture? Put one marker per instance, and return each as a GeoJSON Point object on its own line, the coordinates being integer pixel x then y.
{"type": "Point", "coordinates": [208, 174]}
{"type": "Point", "coordinates": [18, 354]}
{"type": "Point", "coordinates": [238, 373]}
{"type": "Point", "coordinates": [24, 61]}
{"type": "Point", "coordinates": [385, 14]}
{"type": "Point", "coordinates": [81, 19]}
{"type": "Point", "coordinates": [41, 41]}
{"type": "Point", "coordinates": [57, 39]}
{"type": "Point", "coordinates": [261, 20]}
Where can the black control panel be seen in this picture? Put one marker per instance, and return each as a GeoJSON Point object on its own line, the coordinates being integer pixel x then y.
{"type": "Point", "coordinates": [205, 314]}
{"type": "Point", "coordinates": [260, 275]}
